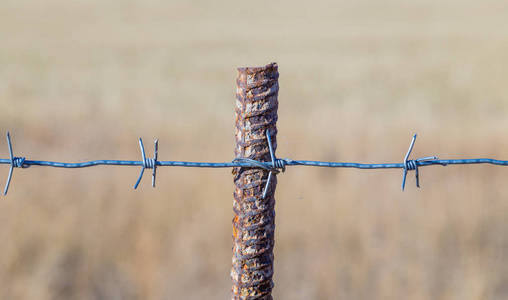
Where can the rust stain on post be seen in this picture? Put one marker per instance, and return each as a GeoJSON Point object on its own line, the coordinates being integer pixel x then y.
{"type": "Point", "coordinates": [254, 222]}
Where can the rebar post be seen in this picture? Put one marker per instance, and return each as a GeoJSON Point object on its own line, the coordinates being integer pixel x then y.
{"type": "Point", "coordinates": [254, 221]}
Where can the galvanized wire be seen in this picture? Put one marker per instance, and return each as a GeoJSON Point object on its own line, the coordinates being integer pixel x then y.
{"type": "Point", "coordinates": [274, 166]}
{"type": "Point", "coordinates": [264, 165]}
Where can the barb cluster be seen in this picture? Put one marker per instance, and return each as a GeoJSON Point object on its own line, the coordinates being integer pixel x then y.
{"type": "Point", "coordinates": [410, 165]}
{"type": "Point", "coordinates": [275, 166]}
{"type": "Point", "coordinates": [148, 163]}
{"type": "Point", "coordinates": [16, 162]}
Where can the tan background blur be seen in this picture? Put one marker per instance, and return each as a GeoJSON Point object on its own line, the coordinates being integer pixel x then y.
{"type": "Point", "coordinates": [83, 80]}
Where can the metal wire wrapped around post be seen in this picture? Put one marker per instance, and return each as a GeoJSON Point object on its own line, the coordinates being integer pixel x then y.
{"type": "Point", "coordinates": [254, 221]}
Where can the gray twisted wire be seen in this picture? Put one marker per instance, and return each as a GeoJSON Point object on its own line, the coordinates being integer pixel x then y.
{"type": "Point", "coordinates": [266, 165]}
{"type": "Point", "coordinates": [274, 166]}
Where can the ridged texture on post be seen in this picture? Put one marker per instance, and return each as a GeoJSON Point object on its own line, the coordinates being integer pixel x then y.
{"type": "Point", "coordinates": [254, 222]}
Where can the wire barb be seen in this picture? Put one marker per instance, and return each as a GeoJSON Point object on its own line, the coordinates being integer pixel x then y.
{"type": "Point", "coordinates": [16, 162]}
{"type": "Point", "coordinates": [274, 166]}
{"type": "Point", "coordinates": [410, 165]}
{"type": "Point", "coordinates": [148, 163]}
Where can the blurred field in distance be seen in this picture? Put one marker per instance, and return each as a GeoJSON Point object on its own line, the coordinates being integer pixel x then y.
{"type": "Point", "coordinates": [83, 80]}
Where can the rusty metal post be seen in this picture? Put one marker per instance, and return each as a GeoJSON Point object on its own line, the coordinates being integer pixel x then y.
{"type": "Point", "coordinates": [254, 221]}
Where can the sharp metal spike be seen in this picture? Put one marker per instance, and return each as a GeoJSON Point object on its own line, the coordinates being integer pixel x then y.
{"type": "Point", "coordinates": [156, 150]}
{"type": "Point", "coordinates": [272, 155]}
{"type": "Point", "coordinates": [11, 156]}
{"type": "Point", "coordinates": [143, 157]}
{"type": "Point", "coordinates": [405, 164]}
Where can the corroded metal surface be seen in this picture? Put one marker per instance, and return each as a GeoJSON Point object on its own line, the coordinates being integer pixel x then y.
{"type": "Point", "coordinates": [254, 222]}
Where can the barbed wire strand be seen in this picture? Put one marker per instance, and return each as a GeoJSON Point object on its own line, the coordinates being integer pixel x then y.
{"type": "Point", "coordinates": [273, 167]}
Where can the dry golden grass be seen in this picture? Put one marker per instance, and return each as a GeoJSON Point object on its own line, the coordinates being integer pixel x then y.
{"type": "Point", "coordinates": [85, 79]}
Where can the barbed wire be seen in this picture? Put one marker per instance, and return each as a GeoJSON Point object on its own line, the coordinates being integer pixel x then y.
{"type": "Point", "coordinates": [274, 166]}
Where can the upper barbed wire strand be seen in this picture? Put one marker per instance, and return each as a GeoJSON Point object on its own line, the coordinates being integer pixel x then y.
{"type": "Point", "coordinates": [272, 166]}
{"type": "Point", "coordinates": [310, 163]}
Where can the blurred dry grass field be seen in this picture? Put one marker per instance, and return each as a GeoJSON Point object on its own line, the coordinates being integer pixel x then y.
{"type": "Point", "coordinates": [83, 80]}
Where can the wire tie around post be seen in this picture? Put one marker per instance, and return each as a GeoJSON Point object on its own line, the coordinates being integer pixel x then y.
{"type": "Point", "coordinates": [148, 163]}
{"type": "Point", "coordinates": [276, 164]}
{"type": "Point", "coordinates": [410, 165]}
{"type": "Point", "coordinates": [16, 162]}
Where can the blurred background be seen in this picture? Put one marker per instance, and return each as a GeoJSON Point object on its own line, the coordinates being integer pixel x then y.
{"type": "Point", "coordinates": [83, 80]}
